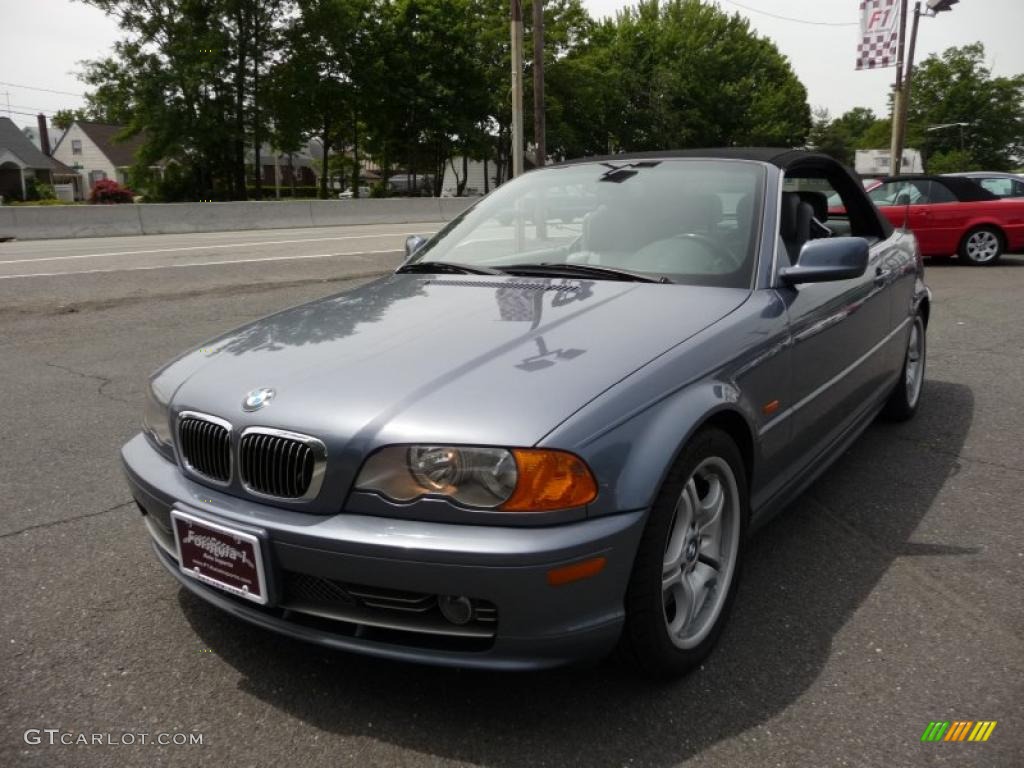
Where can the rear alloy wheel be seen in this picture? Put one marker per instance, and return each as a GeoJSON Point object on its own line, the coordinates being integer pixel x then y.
{"type": "Point", "coordinates": [902, 403]}
{"type": "Point", "coordinates": [982, 246]}
{"type": "Point", "coordinates": [687, 567]}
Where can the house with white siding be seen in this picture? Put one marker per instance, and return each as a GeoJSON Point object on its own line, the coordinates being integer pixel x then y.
{"type": "Point", "coordinates": [96, 152]}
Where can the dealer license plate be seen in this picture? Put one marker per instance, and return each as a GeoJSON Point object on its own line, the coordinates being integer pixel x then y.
{"type": "Point", "coordinates": [220, 556]}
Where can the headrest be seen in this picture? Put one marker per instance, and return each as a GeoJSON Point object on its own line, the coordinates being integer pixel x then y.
{"type": "Point", "coordinates": [818, 202]}
{"type": "Point", "coordinates": [789, 216]}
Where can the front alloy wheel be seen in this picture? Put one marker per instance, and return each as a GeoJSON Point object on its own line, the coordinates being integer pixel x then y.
{"type": "Point", "coordinates": [700, 555]}
{"type": "Point", "coordinates": [688, 561]}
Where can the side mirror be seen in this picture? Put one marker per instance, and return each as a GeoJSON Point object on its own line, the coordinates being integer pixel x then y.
{"type": "Point", "coordinates": [822, 261]}
{"type": "Point", "coordinates": [412, 244]}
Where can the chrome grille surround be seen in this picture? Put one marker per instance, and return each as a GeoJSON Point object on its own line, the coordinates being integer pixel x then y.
{"type": "Point", "coordinates": [278, 464]}
{"type": "Point", "coordinates": [204, 446]}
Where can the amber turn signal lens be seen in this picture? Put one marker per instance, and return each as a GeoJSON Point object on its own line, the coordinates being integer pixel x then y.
{"type": "Point", "coordinates": [549, 480]}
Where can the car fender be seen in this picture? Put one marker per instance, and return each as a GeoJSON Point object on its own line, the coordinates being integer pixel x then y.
{"type": "Point", "coordinates": [631, 459]}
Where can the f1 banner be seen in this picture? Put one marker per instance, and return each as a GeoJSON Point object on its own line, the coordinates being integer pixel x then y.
{"type": "Point", "coordinates": [879, 33]}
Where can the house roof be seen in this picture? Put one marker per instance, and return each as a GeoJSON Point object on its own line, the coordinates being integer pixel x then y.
{"type": "Point", "coordinates": [11, 138]}
{"type": "Point", "coordinates": [56, 166]}
{"type": "Point", "coordinates": [120, 153]}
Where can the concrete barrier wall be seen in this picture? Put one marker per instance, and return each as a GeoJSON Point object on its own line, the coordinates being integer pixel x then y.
{"type": "Point", "coordinates": [60, 221]}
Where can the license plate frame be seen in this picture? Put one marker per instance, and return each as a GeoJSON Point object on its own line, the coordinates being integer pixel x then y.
{"type": "Point", "coordinates": [220, 556]}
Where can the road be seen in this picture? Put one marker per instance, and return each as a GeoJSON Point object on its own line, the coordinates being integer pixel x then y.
{"type": "Point", "coordinates": [886, 597]}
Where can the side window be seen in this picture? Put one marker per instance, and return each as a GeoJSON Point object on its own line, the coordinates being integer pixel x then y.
{"type": "Point", "coordinates": [896, 193]}
{"type": "Point", "coordinates": [838, 206]}
{"type": "Point", "coordinates": [937, 192]}
{"type": "Point", "coordinates": [1002, 187]}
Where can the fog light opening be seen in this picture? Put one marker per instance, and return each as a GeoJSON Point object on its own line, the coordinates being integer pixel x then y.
{"type": "Point", "coordinates": [458, 609]}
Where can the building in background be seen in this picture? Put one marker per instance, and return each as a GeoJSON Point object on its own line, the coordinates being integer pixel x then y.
{"type": "Point", "coordinates": [95, 152]}
{"type": "Point", "coordinates": [23, 165]}
{"type": "Point", "coordinates": [878, 162]}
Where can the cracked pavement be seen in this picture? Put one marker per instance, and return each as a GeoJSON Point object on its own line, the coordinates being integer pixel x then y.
{"type": "Point", "coordinates": [886, 597]}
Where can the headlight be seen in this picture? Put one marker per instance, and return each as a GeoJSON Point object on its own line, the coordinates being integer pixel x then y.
{"type": "Point", "coordinates": [510, 480]}
{"type": "Point", "coordinates": [156, 421]}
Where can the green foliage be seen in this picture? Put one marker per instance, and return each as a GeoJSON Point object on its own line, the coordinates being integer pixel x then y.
{"type": "Point", "coordinates": [683, 73]}
{"type": "Point", "coordinates": [956, 87]}
{"type": "Point", "coordinates": [953, 161]}
{"type": "Point", "coordinates": [414, 83]}
{"type": "Point", "coordinates": [63, 118]}
{"type": "Point", "coordinates": [36, 190]}
{"type": "Point", "coordinates": [856, 129]}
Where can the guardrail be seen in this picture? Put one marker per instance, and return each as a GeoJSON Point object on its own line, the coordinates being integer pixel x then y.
{"type": "Point", "coordinates": [60, 221]}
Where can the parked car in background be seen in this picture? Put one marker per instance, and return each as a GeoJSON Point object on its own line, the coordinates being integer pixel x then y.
{"type": "Point", "coordinates": [998, 183]}
{"type": "Point", "coordinates": [537, 441]}
{"type": "Point", "coordinates": [347, 194]}
{"type": "Point", "coordinates": [953, 215]}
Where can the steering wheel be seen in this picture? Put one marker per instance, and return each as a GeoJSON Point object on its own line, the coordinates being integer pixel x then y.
{"type": "Point", "coordinates": [716, 249]}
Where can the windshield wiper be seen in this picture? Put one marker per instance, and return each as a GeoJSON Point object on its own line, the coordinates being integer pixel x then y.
{"type": "Point", "coordinates": [447, 267]}
{"type": "Point", "coordinates": [589, 270]}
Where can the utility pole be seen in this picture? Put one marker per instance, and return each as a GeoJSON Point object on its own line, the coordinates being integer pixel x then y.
{"type": "Point", "coordinates": [896, 147]}
{"type": "Point", "coordinates": [907, 82]}
{"type": "Point", "coordinates": [538, 83]}
{"type": "Point", "coordinates": [517, 88]}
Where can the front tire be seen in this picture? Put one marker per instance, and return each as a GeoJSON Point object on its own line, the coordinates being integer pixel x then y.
{"type": "Point", "coordinates": [982, 246]}
{"type": "Point", "coordinates": [687, 566]}
{"type": "Point", "coordinates": [906, 395]}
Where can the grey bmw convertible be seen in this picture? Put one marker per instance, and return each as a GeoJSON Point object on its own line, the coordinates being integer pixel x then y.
{"type": "Point", "coordinates": [550, 433]}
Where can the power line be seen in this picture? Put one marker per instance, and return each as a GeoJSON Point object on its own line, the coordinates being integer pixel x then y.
{"type": "Point", "coordinates": [37, 109]}
{"type": "Point", "coordinates": [45, 90]}
{"type": "Point", "coordinates": [17, 112]}
{"type": "Point", "coordinates": [795, 21]}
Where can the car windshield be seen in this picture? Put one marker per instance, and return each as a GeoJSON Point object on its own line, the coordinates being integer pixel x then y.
{"type": "Point", "coordinates": [684, 221]}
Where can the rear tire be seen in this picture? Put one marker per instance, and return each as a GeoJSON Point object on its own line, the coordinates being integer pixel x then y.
{"type": "Point", "coordinates": [687, 567]}
{"type": "Point", "coordinates": [906, 395]}
{"type": "Point", "coordinates": [982, 246]}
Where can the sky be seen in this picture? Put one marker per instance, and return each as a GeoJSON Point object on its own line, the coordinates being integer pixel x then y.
{"type": "Point", "coordinates": [41, 42]}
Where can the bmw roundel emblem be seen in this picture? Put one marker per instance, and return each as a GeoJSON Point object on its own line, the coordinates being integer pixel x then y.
{"type": "Point", "coordinates": [258, 398]}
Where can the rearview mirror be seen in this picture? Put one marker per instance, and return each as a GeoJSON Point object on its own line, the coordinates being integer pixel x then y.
{"type": "Point", "coordinates": [822, 261]}
{"type": "Point", "coordinates": [412, 244]}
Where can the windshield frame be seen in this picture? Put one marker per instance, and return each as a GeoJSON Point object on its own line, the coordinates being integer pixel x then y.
{"type": "Point", "coordinates": [752, 264]}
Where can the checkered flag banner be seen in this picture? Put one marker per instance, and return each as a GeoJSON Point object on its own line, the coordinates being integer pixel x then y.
{"type": "Point", "coordinates": [879, 34]}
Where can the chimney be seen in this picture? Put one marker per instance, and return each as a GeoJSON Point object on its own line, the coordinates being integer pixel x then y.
{"type": "Point", "coordinates": [44, 135]}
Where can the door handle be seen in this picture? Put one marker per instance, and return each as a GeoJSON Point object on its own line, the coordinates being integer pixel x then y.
{"type": "Point", "coordinates": [882, 275]}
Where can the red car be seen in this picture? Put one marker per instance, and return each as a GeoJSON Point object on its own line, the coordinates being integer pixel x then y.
{"type": "Point", "coordinates": [953, 215]}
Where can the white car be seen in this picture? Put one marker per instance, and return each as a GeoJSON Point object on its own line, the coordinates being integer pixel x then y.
{"type": "Point", "coordinates": [347, 194]}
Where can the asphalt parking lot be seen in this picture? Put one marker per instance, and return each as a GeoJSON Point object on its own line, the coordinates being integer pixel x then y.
{"type": "Point", "coordinates": [888, 596]}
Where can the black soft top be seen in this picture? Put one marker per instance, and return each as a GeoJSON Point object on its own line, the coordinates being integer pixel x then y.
{"type": "Point", "coordinates": [965, 189]}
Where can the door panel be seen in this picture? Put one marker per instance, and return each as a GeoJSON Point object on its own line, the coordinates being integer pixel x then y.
{"type": "Point", "coordinates": [839, 359]}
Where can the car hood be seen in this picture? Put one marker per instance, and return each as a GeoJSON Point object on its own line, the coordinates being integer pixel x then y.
{"type": "Point", "coordinates": [459, 359]}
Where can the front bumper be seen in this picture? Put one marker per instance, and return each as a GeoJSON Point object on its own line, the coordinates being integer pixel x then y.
{"type": "Point", "coordinates": [537, 625]}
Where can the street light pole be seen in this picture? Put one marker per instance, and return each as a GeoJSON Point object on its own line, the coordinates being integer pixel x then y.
{"type": "Point", "coordinates": [517, 88]}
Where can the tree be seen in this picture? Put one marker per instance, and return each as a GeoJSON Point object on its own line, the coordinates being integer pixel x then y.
{"type": "Point", "coordinates": [683, 73]}
{"type": "Point", "coordinates": [186, 75]}
{"type": "Point", "coordinates": [956, 87]}
{"type": "Point", "coordinates": [858, 128]}
{"type": "Point", "coordinates": [63, 118]}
